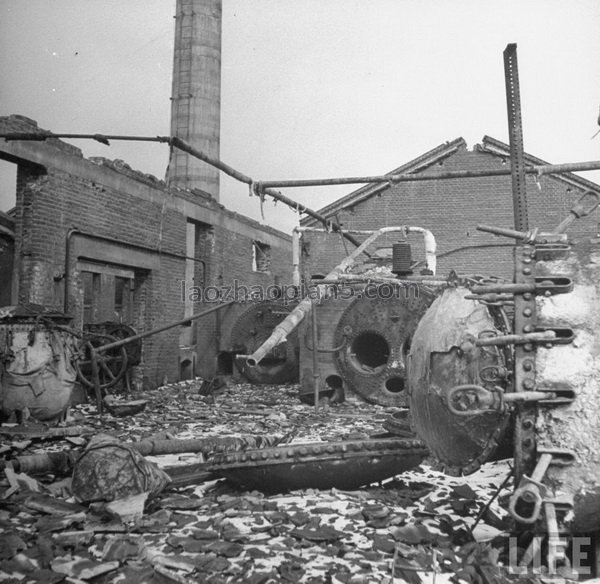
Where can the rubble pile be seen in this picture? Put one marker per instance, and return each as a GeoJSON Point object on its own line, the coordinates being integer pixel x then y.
{"type": "Point", "coordinates": [420, 526]}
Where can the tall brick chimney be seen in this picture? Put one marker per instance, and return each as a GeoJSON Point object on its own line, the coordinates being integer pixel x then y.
{"type": "Point", "coordinates": [196, 94]}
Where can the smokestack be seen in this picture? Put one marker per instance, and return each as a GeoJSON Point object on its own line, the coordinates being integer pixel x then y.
{"type": "Point", "coordinates": [196, 98]}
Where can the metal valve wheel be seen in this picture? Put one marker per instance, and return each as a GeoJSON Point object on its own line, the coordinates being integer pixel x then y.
{"type": "Point", "coordinates": [111, 365]}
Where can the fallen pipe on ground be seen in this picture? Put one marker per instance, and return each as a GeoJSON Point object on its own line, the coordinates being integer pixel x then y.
{"type": "Point", "coordinates": [62, 462]}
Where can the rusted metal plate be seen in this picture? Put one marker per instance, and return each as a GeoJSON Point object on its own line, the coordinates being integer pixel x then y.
{"type": "Point", "coordinates": [320, 465]}
{"type": "Point", "coordinates": [444, 355]}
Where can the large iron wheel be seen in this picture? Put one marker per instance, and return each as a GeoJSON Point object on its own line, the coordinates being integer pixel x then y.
{"type": "Point", "coordinates": [111, 365]}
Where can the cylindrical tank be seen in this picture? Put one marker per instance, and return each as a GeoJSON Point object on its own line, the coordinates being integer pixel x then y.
{"type": "Point", "coordinates": [443, 355]}
{"type": "Point", "coordinates": [559, 491]}
{"type": "Point", "coordinates": [36, 372]}
{"type": "Point", "coordinates": [250, 330]}
{"type": "Point", "coordinates": [363, 341]}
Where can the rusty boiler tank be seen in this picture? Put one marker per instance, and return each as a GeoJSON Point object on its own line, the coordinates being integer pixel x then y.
{"type": "Point", "coordinates": [477, 378]}
{"type": "Point", "coordinates": [244, 327]}
{"type": "Point", "coordinates": [445, 355]}
{"type": "Point", "coordinates": [36, 371]}
{"type": "Point", "coordinates": [365, 329]}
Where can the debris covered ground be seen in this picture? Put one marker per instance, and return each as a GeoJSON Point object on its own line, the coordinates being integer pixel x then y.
{"type": "Point", "coordinates": [415, 527]}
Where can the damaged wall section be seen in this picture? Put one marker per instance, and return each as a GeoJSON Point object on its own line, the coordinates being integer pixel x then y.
{"type": "Point", "coordinates": [104, 242]}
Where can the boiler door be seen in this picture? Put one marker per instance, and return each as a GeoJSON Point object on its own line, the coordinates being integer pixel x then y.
{"type": "Point", "coordinates": [375, 334]}
{"type": "Point", "coordinates": [444, 355]}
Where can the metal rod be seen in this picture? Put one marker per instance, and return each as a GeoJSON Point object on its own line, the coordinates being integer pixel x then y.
{"type": "Point", "coordinates": [315, 358]}
{"type": "Point", "coordinates": [538, 337]}
{"type": "Point", "coordinates": [515, 132]}
{"type": "Point", "coordinates": [95, 377]}
{"type": "Point", "coordinates": [526, 235]}
{"type": "Point", "coordinates": [502, 288]}
{"type": "Point", "coordinates": [178, 143]}
{"type": "Point", "coordinates": [104, 138]}
{"type": "Point", "coordinates": [451, 174]}
{"type": "Point", "coordinates": [127, 340]}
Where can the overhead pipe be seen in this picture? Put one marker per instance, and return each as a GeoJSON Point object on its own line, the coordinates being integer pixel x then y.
{"type": "Point", "coordinates": [258, 190]}
{"type": "Point", "coordinates": [185, 147]}
{"type": "Point", "coordinates": [539, 169]}
{"type": "Point", "coordinates": [295, 317]}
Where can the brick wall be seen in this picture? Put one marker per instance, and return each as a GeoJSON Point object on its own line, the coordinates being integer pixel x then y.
{"type": "Point", "coordinates": [451, 209]}
{"type": "Point", "coordinates": [71, 209]}
{"type": "Point", "coordinates": [7, 250]}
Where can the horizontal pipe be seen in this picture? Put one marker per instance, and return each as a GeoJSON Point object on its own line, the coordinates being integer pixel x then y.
{"type": "Point", "coordinates": [104, 138]}
{"type": "Point", "coordinates": [349, 279]}
{"type": "Point", "coordinates": [178, 143]}
{"type": "Point", "coordinates": [503, 288]}
{"type": "Point", "coordinates": [185, 147]}
{"type": "Point", "coordinates": [503, 340]}
{"type": "Point", "coordinates": [128, 340]}
{"type": "Point", "coordinates": [452, 174]}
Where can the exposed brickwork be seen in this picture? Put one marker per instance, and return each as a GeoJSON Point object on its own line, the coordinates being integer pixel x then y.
{"type": "Point", "coordinates": [451, 209]}
{"type": "Point", "coordinates": [138, 224]}
{"type": "Point", "coordinates": [7, 252]}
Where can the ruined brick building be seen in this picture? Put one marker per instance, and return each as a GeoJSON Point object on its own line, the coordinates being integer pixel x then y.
{"type": "Point", "coordinates": [103, 242]}
{"type": "Point", "coordinates": [451, 209]}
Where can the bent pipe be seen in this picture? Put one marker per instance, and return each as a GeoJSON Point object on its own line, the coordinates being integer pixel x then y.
{"type": "Point", "coordinates": [282, 330]}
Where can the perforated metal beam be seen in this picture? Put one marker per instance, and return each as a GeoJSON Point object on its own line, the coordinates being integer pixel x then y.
{"type": "Point", "coordinates": [515, 133]}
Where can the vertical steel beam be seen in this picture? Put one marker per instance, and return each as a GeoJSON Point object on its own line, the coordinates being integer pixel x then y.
{"type": "Point", "coordinates": [515, 133]}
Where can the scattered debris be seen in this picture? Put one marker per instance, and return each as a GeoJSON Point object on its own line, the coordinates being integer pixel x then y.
{"type": "Point", "coordinates": [127, 509]}
{"type": "Point", "coordinates": [411, 527]}
{"type": "Point", "coordinates": [121, 408]}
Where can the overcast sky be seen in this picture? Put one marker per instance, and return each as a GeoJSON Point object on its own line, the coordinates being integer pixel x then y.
{"type": "Point", "coordinates": [310, 88]}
